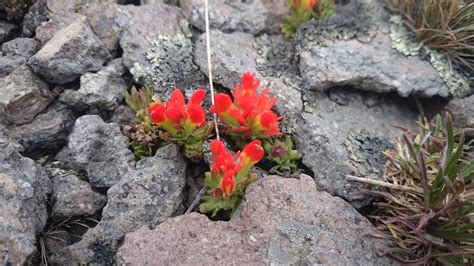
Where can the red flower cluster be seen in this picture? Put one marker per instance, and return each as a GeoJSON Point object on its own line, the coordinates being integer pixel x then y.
{"type": "Point", "coordinates": [231, 171]}
{"type": "Point", "coordinates": [307, 4]}
{"type": "Point", "coordinates": [249, 115]}
{"type": "Point", "coordinates": [176, 116]}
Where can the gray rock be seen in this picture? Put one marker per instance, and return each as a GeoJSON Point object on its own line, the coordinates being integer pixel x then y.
{"type": "Point", "coordinates": [99, 149]}
{"type": "Point", "coordinates": [6, 30]}
{"type": "Point", "coordinates": [37, 13]}
{"type": "Point", "coordinates": [124, 115]}
{"type": "Point", "coordinates": [143, 24]}
{"type": "Point", "coordinates": [24, 189]}
{"type": "Point", "coordinates": [246, 16]}
{"type": "Point", "coordinates": [144, 197]}
{"type": "Point", "coordinates": [73, 5]}
{"type": "Point", "coordinates": [22, 96]}
{"type": "Point", "coordinates": [289, 103]}
{"type": "Point", "coordinates": [73, 51]}
{"type": "Point", "coordinates": [354, 48]}
{"type": "Point", "coordinates": [232, 55]}
{"type": "Point", "coordinates": [346, 133]}
{"type": "Point", "coordinates": [276, 56]}
{"type": "Point", "coordinates": [462, 111]}
{"type": "Point", "coordinates": [280, 222]}
{"type": "Point", "coordinates": [102, 91]}
{"type": "Point", "coordinates": [101, 16]}
{"type": "Point", "coordinates": [24, 47]}
{"type": "Point", "coordinates": [171, 65]}
{"type": "Point", "coordinates": [73, 197]}
{"type": "Point", "coordinates": [58, 21]}
{"type": "Point", "coordinates": [9, 63]}
{"type": "Point", "coordinates": [47, 132]}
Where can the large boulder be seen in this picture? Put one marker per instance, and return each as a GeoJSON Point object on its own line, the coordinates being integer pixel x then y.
{"type": "Point", "coordinates": [345, 132]}
{"type": "Point", "coordinates": [280, 222]}
{"type": "Point", "coordinates": [37, 13]}
{"type": "Point", "coordinates": [359, 46]}
{"type": "Point", "coordinates": [22, 96]}
{"type": "Point", "coordinates": [24, 189]}
{"type": "Point", "coordinates": [99, 149]}
{"type": "Point", "coordinates": [73, 51]}
{"type": "Point", "coordinates": [16, 52]}
{"type": "Point", "coordinates": [7, 29]}
{"type": "Point", "coordinates": [101, 91]}
{"type": "Point", "coordinates": [46, 30]}
{"type": "Point", "coordinates": [247, 16]}
{"type": "Point", "coordinates": [232, 55]}
{"type": "Point", "coordinates": [146, 196]}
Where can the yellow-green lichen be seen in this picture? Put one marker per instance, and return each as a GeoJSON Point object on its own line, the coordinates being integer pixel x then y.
{"type": "Point", "coordinates": [400, 38]}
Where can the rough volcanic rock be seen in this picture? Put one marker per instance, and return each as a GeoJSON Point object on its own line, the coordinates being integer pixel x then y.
{"type": "Point", "coordinates": [37, 13]}
{"type": "Point", "coordinates": [16, 52]}
{"type": "Point", "coordinates": [47, 132]}
{"type": "Point", "coordinates": [289, 102]}
{"type": "Point", "coordinates": [24, 189]}
{"type": "Point", "coordinates": [22, 96]}
{"type": "Point", "coordinates": [172, 65]}
{"type": "Point", "coordinates": [143, 24]}
{"type": "Point", "coordinates": [462, 111]}
{"type": "Point", "coordinates": [24, 47]}
{"type": "Point", "coordinates": [47, 30]}
{"type": "Point", "coordinates": [6, 30]}
{"type": "Point", "coordinates": [73, 51]}
{"type": "Point", "coordinates": [144, 197]}
{"type": "Point", "coordinates": [353, 47]}
{"type": "Point", "coordinates": [15, 9]}
{"type": "Point", "coordinates": [346, 132]}
{"type": "Point", "coordinates": [102, 19]}
{"type": "Point", "coordinates": [74, 5]}
{"type": "Point", "coordinates": [72, 197]}
{"type": "Point", "coordinates": [99, 149]}
{"type": "Point", "coordinates": [232, 55]}
{"type": "Point", "coordinates": [246, 16]}
{"type": "Point", "coordinates": [102, 91]}
{"type": "Point", "coordinates": [281, 222]}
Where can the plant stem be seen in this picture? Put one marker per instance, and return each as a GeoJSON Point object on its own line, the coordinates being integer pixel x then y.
{"type": "Point", "coordinates": [383, 184]}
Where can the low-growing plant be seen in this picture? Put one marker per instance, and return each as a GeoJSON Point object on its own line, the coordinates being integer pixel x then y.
{"type": "Point", "coordinates": [304, 10]}
{"type": "Point", "coordinates": [428, 203]}
{"type": "Point", "coordinates": [184, 124]}
{"type": "Point", "coordinates": [229, 176]}
{"type": "Point", "coordinates": [281, 154]}
{"type": "Point", "coordinates": [444, 25]}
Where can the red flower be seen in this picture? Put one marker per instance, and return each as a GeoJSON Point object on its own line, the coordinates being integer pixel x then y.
{"type": "Point", "coordinates": [250, 113]}
{"type": "Point", "coordinates": [228, 184]}
{"type": "Point", "coordinates": [252, 152]}
{"type": "Point", "coordinates": [175, 114]}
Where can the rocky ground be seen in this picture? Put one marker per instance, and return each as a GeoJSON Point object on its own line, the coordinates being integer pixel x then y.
{"type": "Point", "coordinates": [72, 192]}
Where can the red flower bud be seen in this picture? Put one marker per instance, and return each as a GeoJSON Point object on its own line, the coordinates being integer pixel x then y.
{"type": "Point", "coordinates": [228, 184]}
{"type": "Point", "coordinates": [253, 152]}
{"type": "Point", "coordinates": [197, 97]}
{"type": "Point", "coordinates": [222, 103]}
{"type": "Point", "coordinates": [157, 113]}
{"type": "Point", "coordinates": [196, 114]}
{"type": "Point", "coordinates": [174, 114]}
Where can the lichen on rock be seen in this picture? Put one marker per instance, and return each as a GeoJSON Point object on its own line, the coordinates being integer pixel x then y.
{"type": "Point", "coordinates": [171, 64]}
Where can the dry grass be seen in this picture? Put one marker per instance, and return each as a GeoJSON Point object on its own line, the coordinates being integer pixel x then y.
{"type": "Point", "coordinates": [443, 25]}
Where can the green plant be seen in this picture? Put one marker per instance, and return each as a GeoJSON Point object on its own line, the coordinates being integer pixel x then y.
{"type": "Point", "coordinates": [444, 25]}
{"type": "Point", "coordinates": [281, 154]}
{"type": "Point", "coordinates": [428, 202]}
{"type": "Point", "coordinates": [304, 10]}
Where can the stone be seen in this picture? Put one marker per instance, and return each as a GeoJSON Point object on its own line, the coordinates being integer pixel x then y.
{"type": "Point", "coordinates": [73, 51]}
{"type": "Point", "coordinates": [289, 102]}
{"type": "Point", "coordinates": [9, 63]}
{"type": "Point", "coordinates": [22, 96]}
{"type": "Point", "coordinates": [37, 14]}
{"type": "Point", "coordinates": [24, 189]}
{"type": "Point", "coordinates": [462, 112]}
{"type": "Point", "coordinates": [15, 9]}
{"type": "Point", "coordinates": [353, 48]}
{"type": "Point", "coordinates": [74, 197]}
{"type": "Point", "coordinates": [47, 132]}
{"type": "Point", "coordinates": [246, 16]}
{"type": "Point", "coordinates": [143, 24]}
{"type": "Point", "coordinates": [171, 61]}
{"type": "Point", "coordinates": [276, 56]}
{"type": "Point", "coordinates": [146, 196]}
{"type": "Point", "coordinates": [232, 55]}
{"type": "Point", "coordinates": [46, 30]}
{"type": "Point", "coordinates": [7, 29]}
{"type": "Point", "coordinates": [73, 5]}
{"type": "Point", "coordinates": [345, 132]}
{"type": "Point", "coordinates": [99, 149]}
{"type": "Point", "coordinates": [101, 16]}
{"type": "Point", "coordinates": [281, 221]}
{"type": "Point", "coordinates": [102, 91]}
{"type": "Point", "coordinates": [24, 47]}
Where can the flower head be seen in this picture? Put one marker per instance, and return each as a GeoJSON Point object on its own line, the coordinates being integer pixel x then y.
{"type": "Point", "coordinates": [249, 115]}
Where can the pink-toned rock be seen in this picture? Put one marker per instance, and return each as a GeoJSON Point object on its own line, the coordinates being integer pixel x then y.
{"type": "Point", "coordinates": [281, 221]}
